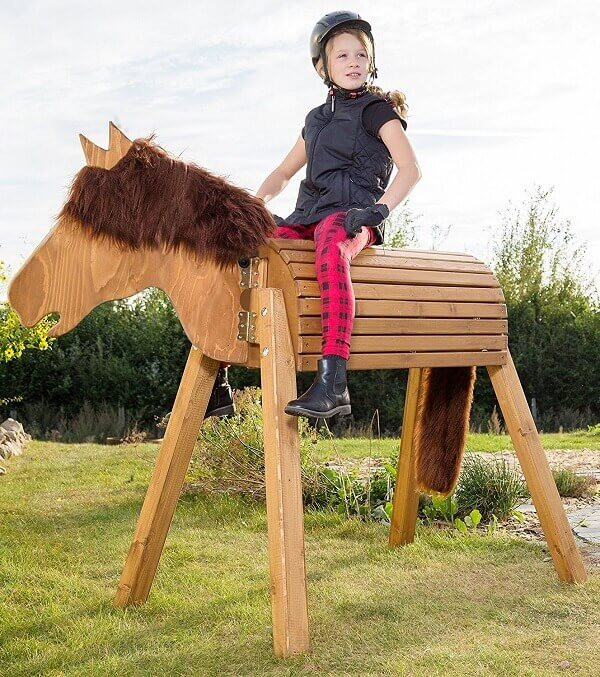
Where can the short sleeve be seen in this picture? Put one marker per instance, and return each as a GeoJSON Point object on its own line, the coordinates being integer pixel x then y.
{"type": "Point", "coordinates": [376, 114]}
{"type": "Point", "coordinates": [302, 132]}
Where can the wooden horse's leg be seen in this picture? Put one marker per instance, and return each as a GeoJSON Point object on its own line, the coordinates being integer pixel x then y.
{"type": "Point", "coordinates": [546, 499]}
{"type": "Point", "coordinates": [285, 515]}
{"type": "Point", "coordinates": [406, 494]}
{"type": "Point", "coordinates": [167, 479]}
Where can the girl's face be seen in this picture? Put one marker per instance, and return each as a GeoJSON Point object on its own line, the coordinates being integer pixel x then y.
{"type": "Point", "coordinates": [348, 61]}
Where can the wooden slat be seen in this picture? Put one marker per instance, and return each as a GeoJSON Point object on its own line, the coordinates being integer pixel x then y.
{"type": "Point", "coordinates": [376, 325]}
{"type": "Point", "coordinates": [395, 262]}
{"type": "Point", "coordinates": [306, 271]}
{"type": "Point", "coordinates": [408, 360]}
{"type": "Point", "coordinates": [412, 309]}
{"type": "Point", "coordinates": [418, 343]}
{"type": "Point", "coordinates": [280, 244]}
{"type": "Point", "coordinates": [405, 292]}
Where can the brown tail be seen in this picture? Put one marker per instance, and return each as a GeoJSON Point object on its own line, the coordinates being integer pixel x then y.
{"type": "Point", "coordinates": [441, 426]}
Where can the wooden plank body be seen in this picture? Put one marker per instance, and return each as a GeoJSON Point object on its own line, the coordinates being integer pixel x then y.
{"type": "Point", "coordinates": [413, 308]}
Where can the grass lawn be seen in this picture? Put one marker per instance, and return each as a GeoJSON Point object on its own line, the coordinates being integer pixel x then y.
{"type": "Point", "coordinates": [445, 604]}
{"type": "Point", "coordinates": [385, 447]}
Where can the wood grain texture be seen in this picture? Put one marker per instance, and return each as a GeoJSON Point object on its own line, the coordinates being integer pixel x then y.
{"type": "Point", "coordinates": [285, 515]}
{"type": "Point", "coordinates": [406, 495]}
{"type": "Point", "coordinates": [167, 479]}
{"type": "Point", "coordinates": [391, 326]}
{"type": "Point", "coordinates": [408, 360]}
{"type": "Point", "coordinates": [71, 273]}
{"type": "Point", "coordinates": [405, 292]}
{"type": "Point", "coordinates": [414, 308]}
{"type": "Point", "coordinates": [534, 464]}
{"type": "Point", "coordinates": [424, 343]}
{"type": "Point", "coordinates": [118, 145]}
{"type": "Point", "coordinates": [394, 262]}
{"type": "Point", "coordinates": [306, 271]}
{"type": "Point", "coordinates": [282, 244]}
{"type": "Point", "coordinates": [393, 309]}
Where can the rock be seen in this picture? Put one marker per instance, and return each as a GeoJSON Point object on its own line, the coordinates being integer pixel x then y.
{"type": "Point", "coordinates": [12, 439]}
{"type": "Point", "coordinates": [11, 448]}
{"type": "Point", "coordinates": [11, 424]}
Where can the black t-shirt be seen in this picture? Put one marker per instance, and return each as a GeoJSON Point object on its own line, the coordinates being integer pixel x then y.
{"type": "Point", "coordinates": [375, 115]}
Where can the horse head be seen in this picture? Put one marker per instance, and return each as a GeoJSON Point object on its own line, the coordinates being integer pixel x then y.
{"type": "Point", "coordinates": [135, 218]}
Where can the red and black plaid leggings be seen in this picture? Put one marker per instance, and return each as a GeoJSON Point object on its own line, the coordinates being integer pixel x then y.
{"type": "Point", "coordinates": [333, 252]}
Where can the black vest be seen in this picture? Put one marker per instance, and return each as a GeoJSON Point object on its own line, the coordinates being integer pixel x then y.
{"type": "Point", "coordinates": [346, 166]}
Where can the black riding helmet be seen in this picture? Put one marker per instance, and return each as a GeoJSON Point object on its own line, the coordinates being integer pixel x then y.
{"type": "Point", "coordinates": [323, 31]}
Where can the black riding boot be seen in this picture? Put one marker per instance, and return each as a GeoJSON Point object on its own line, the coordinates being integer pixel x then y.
{"type": "Point", "coordinates": [328, 395]}
{"type": "Point", "coordinates": [221, 398]}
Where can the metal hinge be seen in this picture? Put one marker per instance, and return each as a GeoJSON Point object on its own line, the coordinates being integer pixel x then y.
{"type": "Point", "coordinates": [249, 272]}
{"type": "Point", "coordinates": [247, 326]}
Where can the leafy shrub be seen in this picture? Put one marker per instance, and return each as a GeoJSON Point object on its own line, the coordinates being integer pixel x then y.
{"type": "Point", "coordinates": [491, 486]}
{"type": "Point", "coordinates": [230, 459]}
{"type": "Point", "coordinates": [230, 456]}
{"type": "Point", "coordinates": [368, 497]}
{"type": "Point", "coordinates": [89, 424]}
{"type": "Point", "coordinates": [570, 484]}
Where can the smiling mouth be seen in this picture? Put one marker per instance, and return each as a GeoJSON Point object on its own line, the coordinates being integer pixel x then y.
{"type": "Point", "coordinates": [354, 75]}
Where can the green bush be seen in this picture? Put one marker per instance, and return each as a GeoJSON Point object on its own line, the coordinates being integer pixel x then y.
{"type": "Point", "coordinates": [368, 497]}
{"type": "Point", "coordinates": [230, 458]}
{"type": "Point", "coordinates": [570, 484]}
{"type": "Point", "coordinates": [89, 424]}
{"type": "Point", "coordinates": [490, 485]}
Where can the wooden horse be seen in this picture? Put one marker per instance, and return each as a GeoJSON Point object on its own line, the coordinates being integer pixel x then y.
{"type": "Point", "coordinates": [137, 218]}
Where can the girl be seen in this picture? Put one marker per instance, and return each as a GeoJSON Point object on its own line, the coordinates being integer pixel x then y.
{"type": "Point", "coordinates": [348, 144]}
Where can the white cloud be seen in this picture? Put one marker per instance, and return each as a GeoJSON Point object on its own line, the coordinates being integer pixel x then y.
{"type": "Point", "coordinates": [502, 95]}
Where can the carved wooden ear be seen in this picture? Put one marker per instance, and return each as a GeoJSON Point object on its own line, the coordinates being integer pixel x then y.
{"type": "Point", "coordinates": [94, 155]}
{"type": "Point", "coordinates": [118, 145]}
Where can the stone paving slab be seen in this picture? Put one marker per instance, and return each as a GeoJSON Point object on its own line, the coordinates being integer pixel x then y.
{"type": "Point", "coordinates": [584, 521]}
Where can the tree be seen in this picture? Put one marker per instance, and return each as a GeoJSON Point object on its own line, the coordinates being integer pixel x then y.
{"type": "Point", "coordinates": [535, 255]}
{"type": "Point", "coordinates": [401, 228]}
{"type": "Point", "coordinates": [553, 309]}
{"type": "Point", "coordinates": [14, 337]}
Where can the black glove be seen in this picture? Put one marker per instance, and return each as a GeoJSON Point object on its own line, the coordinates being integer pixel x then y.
{"type": "Point", "coordinates": [369, 216]}
{"type": "Point", "coordinates": [278, 220]}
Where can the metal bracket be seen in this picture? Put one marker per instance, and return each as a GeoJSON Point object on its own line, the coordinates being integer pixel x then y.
{"type": "Point", "coordinates": [249, 273]}
{"type": "Point", "coordinates": [247, 326]}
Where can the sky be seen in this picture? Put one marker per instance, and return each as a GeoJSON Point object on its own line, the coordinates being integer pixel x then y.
{"type": "Point", "coordinates": [502, 96]}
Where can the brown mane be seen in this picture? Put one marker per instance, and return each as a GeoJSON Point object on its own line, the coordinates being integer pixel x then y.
{"type": "Point", "coordinates": [149, 199]}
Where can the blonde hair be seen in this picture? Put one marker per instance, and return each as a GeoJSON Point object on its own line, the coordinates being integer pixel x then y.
{"type": "Point", "coordinates": [396, 97]}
